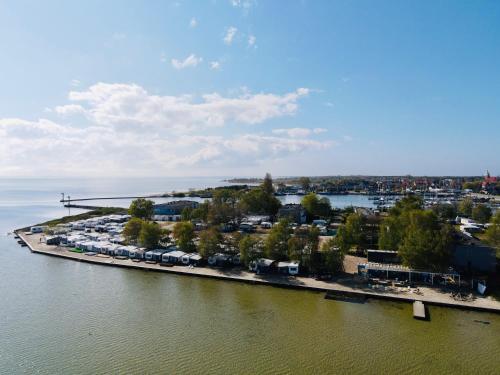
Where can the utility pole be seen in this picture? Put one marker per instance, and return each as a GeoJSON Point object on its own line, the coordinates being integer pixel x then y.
{"type": "Point", "coordinates": [69, 205]}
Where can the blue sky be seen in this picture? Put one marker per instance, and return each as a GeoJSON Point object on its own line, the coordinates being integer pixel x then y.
{"type": "Point", "coordinates": [244, 87]}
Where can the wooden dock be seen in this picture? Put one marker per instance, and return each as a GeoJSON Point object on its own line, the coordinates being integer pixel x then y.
{"type": "Point", "coordinates": [419, 310]}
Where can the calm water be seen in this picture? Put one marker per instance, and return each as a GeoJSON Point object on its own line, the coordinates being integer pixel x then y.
{"type": "Point", "coordinates": [64, 317]}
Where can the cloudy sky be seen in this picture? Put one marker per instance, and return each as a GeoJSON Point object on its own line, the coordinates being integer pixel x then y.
{"type": "Point", "coordinates": [241, 87]}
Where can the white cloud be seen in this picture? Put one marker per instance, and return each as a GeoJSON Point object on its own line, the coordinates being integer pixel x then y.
{"type": "Point", "coordinates": [215, 65]}
{"type": "Point", "coordinates": [193, 23]}
{"type": "Point", "coordinates": [74, 83]}
{"type": "Point", "coordinates": [347, 138]}
{"type": "Point", "coordinates": [190, 61]}
{"type": "Point", "coordinates": [299, 132]}
{"type": "Point", "coordinates": [69, 109]}
{"type": "Point", "coordinates": [329, 104]}
{"type": "Point", "coordinates": [252, 40]}
{"type": "Point", "coordinates": [230, 34]}
{"type": "Point", "coordinates": [131, 132]}
{"type": "Point", "coordinates": [246, 5]}
{"type": "Point", "coordinates": [163, 57]}
{"type": "Point", "coordinates": [123, 104]}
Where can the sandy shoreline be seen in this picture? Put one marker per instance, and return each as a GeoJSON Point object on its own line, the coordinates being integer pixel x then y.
{"type": "Point", "coordinates": [348, 286]}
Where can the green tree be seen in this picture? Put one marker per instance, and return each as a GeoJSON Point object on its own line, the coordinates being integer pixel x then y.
{"type": "Point", "coordinates": [493, 232]}
{"type": "Point", "coordinates": [201, 212]}
{"type": "Point", "coordinates": [465, 207]}
{"type": "Point", "coordinates": [333, 256]}
{"type": "Point", "coordinates": [481, 213]}
{"type": "Point", "coordinates": [315, 206]}
{"type": "Point", "coordinates": [391, 232]}
{"type": "Point", "coordinates": [257, 201]}
{"type": "Point", "coordinates": [248, 249]}
{"type": "Point", "coordinates": [132, 230]}
{"type": "Point", "coordinates": [276, 243]}
{"type": "Point", "coordinates": [475, 186]}
{"type": "Point", "coordinates": [184, 234]}
{"type": "Point", "coordinates": [141, 208]}
{"type": "Point", "coordinates": [186, 213]}
{"type": "Point", "coordinates": [150, 234]}
{"type": "Point", "coordinates": [426, 244]}
{"type": "Point", "coordinates": [408, 203]}
{"type": "Point", "coordinates": [210, 242]}
{"type": "Point", "coordinates": [445, 211]}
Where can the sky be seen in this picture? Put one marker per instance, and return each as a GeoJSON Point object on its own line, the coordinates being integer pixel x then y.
{"type": "Point", "coordinates": [244, 87]}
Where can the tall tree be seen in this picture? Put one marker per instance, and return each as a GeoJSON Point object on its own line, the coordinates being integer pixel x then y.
{"type": "Point", "coordinates": [465, 207]}
{"type": "Point", "coordinates": [315, 206]}
{"type": "Point", "coordinates": [132, 229]}
{"type": "Point", "coordinates": [493, 232]}
{"type": "Point", "coordinates": [481, 213]}
{"type": "Point", "coordinates": [267, 184]}
{"type": "Point", "coordinates": [210, 241]}
{"type": "Point", "coordinates": [184, 234]}
{"type": "Point", "coordinates": [151, 233]}
{"type": "Point", "coordinates": [333, 256]}
{"type": "Point", "coordinates": [141, 208]}
{"type": "Point", "coordinates": [426, 244]}
{"type": "Point", "coordinates": [276, 243]}
{"type": "Point", "coordinates": [248, 249]}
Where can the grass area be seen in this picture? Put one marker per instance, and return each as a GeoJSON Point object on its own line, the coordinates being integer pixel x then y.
{"type": "Point", "coordinates": [76, 250]}
{"type": "Point", "coordinates": [86, 215]}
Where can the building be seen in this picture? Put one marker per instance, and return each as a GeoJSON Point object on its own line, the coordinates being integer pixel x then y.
{"type": "Point", "coordinates": [294, 212]}
{"type": "Point", "coordinates": [474, 257]}
{"type": "Point", "coordinates": [383, 256]}
{"type": "Point", "coordinates": [489, 184]}
{"type": "Point", "coordinates": [171, 211]}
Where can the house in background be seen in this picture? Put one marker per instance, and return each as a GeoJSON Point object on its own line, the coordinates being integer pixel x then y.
{"type": "Point", "coordinates": [171, 211]}
{"type": "Point", "coordinates": [294, 212]}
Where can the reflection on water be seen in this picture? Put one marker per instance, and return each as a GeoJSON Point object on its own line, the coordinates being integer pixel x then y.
{"type": "Point", "coordinates": [60, 316]}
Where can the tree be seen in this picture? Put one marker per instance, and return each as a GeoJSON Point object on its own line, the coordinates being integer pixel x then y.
{"type": "Point", "coordinates": [151, 233]}
{"type": "Point", "coordinates": [408, 203]}
{"type": "Point", "coordinates": [445, 211]}
{"type": "Point", "coordinates": [305, 183]}
{"type": "Point", "coordinates": [426, 244]}
{"type": "Point", "coordinates": [352, 233]}
{"type": "Point", "coordinates": [141, 208]}
{"type": "Point", "coordinates": [257, 201]}
{"type": "Point", "coordinates": [210, 241]}
{"type": "Point", "coordinates": [132, 229]}
{"type": "Point", "coordinates": [493, 232]}
{"type": "Point", "coordinates": [201, 212]}
{"type": "Point", "coordinates": [267, 184]}
{"type": "Point", "coordinates": [224, 207]}
{"type": "Point", "coordinates": [315, 206]}
{"type": "Point", "coordinates": [276, 243]}
{"type": "Point", "coordinates": [186, 213]}
{"type": "Point", "coordinates": [481, 213]}
{"type": "Point", "coordinates": [391, 233]}
{"type": "Point", "coordinates": [465, 207]}
{"type": "Point", "coordinates": [184, 234]}
{"type": "Point", "coordinates": [248, 249]}
{"type": "Point", "coordinates": [334, 257]}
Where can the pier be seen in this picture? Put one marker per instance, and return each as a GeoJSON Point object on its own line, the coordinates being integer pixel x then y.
{"type": "Point", "coordinates": [419, 310]}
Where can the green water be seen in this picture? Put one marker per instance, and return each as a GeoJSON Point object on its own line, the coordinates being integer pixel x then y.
{"type": "Point", "coordinates": [64, 317]}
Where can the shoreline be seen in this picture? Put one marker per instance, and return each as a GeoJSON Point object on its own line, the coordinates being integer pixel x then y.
{"type": "Point", "coordinates": [431, 296]}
